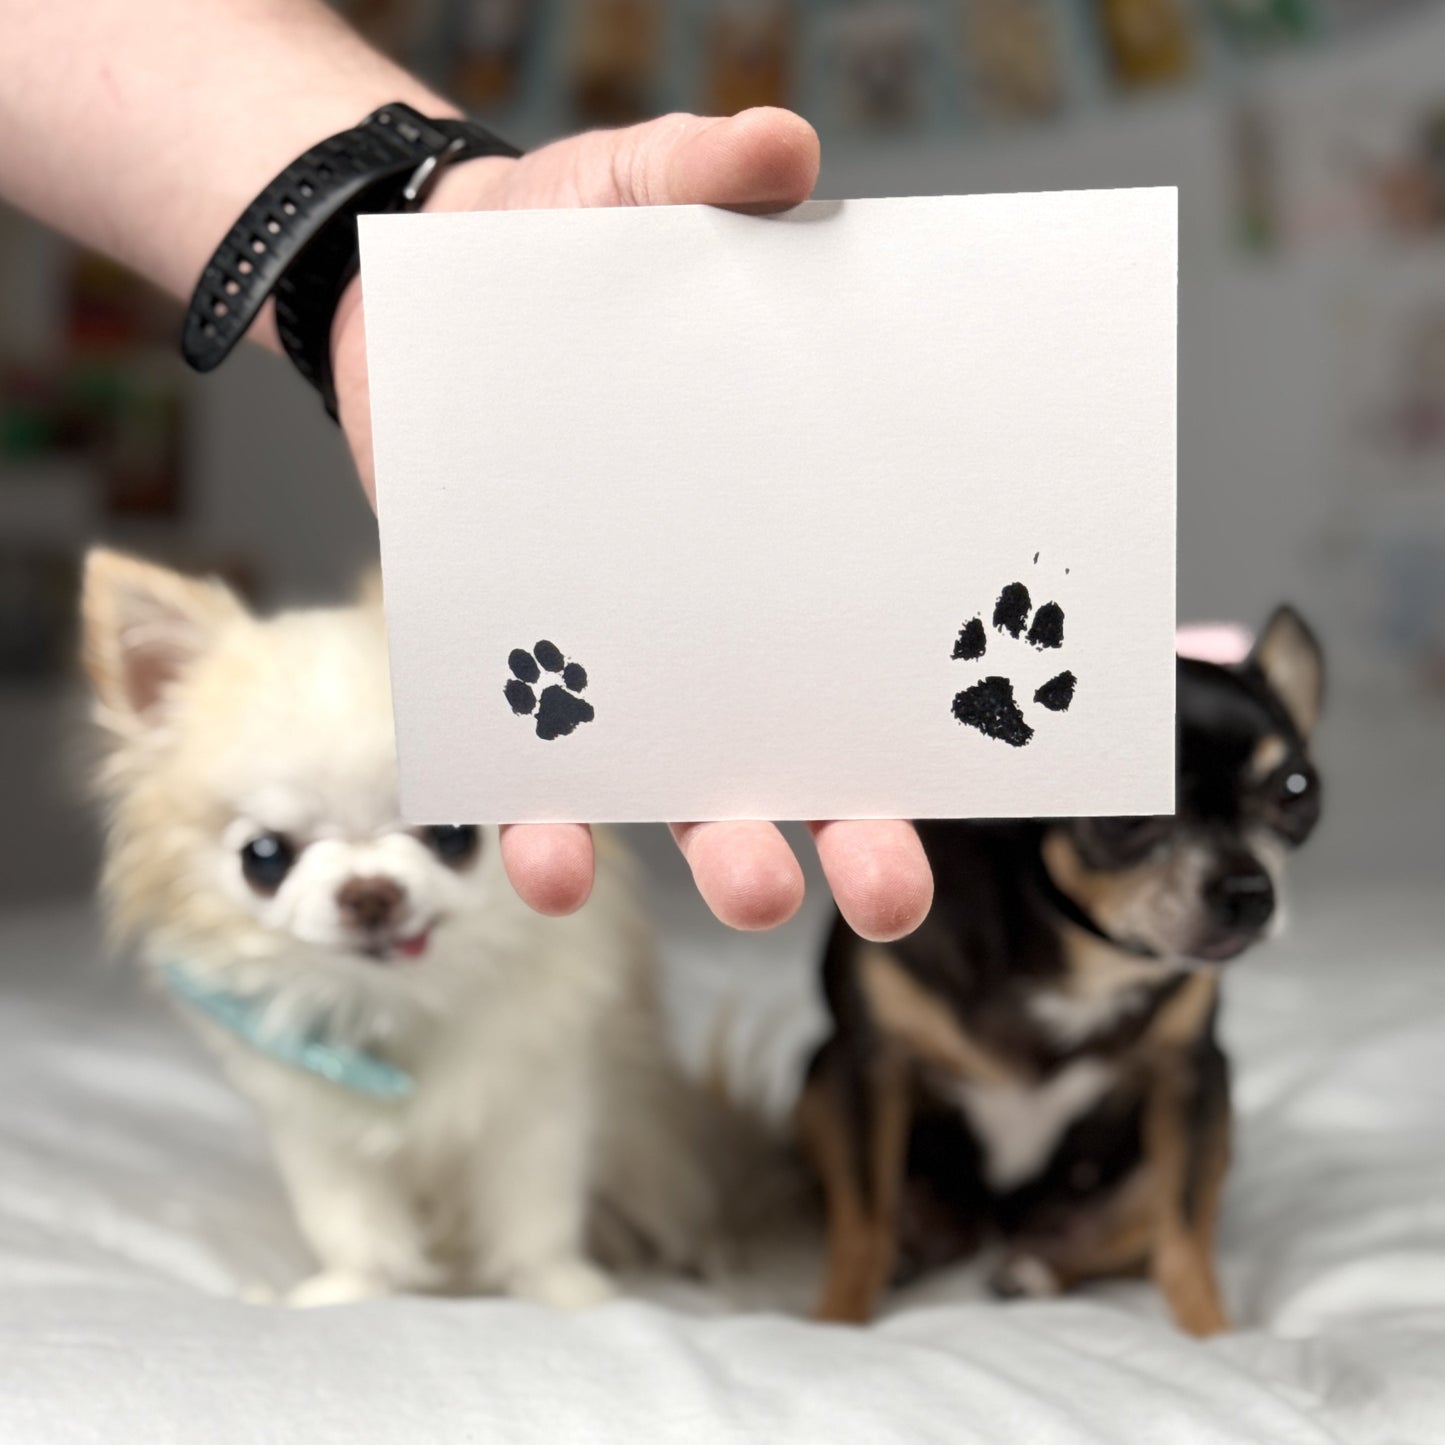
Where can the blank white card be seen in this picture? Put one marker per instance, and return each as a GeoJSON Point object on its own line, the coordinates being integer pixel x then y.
{"type": "Point", "coordinates": [861, 510]}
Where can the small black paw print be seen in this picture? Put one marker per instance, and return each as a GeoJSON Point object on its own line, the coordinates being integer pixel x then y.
{"type": "Point", "coordinates": [989, 705]}
{"type": "Point", "coordinates": [560, 711]}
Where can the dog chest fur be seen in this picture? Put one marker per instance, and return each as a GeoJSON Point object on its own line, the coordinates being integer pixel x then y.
{"type": "Point", "coordinates": [1019, 1126]}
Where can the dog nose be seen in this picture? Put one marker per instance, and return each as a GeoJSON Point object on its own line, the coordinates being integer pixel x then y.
{"type": "Point", "coordinates": [369, 902]}
{"type": "Point", "coordinates": [1241, 897]}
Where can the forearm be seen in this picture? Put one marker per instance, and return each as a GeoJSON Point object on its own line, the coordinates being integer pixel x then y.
{"type": "Point", "coordinates": [143, 127]}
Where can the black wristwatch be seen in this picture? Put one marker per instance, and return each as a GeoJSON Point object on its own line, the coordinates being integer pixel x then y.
{"type": "Point", "coordinates": [297, 240]}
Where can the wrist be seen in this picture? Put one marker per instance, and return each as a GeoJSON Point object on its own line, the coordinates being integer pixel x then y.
{"type": "Point", "coordinates": [472, 185]}
{"type": "Point", "coordinates": [295, 244]}
{"type": "Point", "coordinates": [303, 128]}
{"type": "Point", "coordinates": [466, 186]}
{"type": "Point", "coordinates": [292, 119]}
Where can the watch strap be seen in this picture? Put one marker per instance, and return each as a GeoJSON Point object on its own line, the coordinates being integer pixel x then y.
{"type": "Point", "coordinates": [308, 291]}
{"type": "Point", "coordinates": [297, 239]}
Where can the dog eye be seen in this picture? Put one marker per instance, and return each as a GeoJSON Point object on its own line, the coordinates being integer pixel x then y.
{"type": "Point", "coordinates": [455, 844]}
{"type": "Point", "coordinates": [266, 860]}
{"type": "Point", "coordinates": [1291, 801]}
{"type": "Point", "coordinates": [1295, 787]}
{"type": "Point", "coordinates": [1293, 791]}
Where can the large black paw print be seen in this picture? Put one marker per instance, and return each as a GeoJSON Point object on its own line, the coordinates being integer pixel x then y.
{"type": "Point", "coordinates": [560, 711]}
{"type": "Point", "coordinates": [989, 705]}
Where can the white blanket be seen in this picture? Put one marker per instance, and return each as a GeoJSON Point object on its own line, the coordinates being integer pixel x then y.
{"type": "Point", "coordinates": [135, 1202]}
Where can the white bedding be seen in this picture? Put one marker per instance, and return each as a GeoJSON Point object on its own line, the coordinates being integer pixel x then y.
{"type": "Point", "coordinates": [135, 1201]}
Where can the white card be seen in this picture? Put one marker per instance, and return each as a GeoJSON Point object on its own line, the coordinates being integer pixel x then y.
{"type": "Point", "coordinates": [749, 480]}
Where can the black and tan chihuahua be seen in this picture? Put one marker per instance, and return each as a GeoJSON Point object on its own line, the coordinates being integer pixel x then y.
{"type": "Point", "coordinates": [1037, 1064]}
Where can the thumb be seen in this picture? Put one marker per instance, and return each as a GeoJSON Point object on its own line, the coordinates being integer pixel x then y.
{"type": "Point", "coordinates": [765, 158]}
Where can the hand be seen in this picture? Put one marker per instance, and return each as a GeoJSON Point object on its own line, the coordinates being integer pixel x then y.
{"type": "Point", "coordinates": [765, 159]}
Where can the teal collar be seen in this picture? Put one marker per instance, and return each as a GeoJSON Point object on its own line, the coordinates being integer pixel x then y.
{"type": "Point", "coordinates": [345, 1065]}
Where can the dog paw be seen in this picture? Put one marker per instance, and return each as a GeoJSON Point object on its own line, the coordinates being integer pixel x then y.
{"type": "Point", "coordinates": [559, 709]}
{"type": "Point", "coordinates": [989, 705]}
{"type": "Point", "coordinates": [1024, 1276]}
{"type": "Point", "coordinates": [335, 1287]}
{"type": "Point", "coordinates": [565, 1284]}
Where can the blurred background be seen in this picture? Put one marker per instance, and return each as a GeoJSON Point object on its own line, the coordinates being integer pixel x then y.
{"type": "Point", "coordinates": [1308, 141]}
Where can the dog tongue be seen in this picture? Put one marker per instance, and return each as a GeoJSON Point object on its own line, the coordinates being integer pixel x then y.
{"type": "Point", "coordinates": [412, 947]}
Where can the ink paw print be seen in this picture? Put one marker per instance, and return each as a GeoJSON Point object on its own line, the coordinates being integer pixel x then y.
{"type": "Point", "coordinates": [989, 704]}
{"type": "Point", "coordinates": [558, 709]}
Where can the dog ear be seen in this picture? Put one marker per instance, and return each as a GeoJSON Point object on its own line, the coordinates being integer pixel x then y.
{"type": "Point", "coordinates": [1290, 659]}
{"type": "Point", "coordinates": [143, 626]}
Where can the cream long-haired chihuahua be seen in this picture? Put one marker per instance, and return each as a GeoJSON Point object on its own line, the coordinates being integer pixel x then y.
{"type": "Point", "coordinates": [457, 1090]}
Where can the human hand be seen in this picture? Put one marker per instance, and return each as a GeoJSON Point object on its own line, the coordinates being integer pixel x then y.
{"type": "Point", "coordinates": [763, 159]}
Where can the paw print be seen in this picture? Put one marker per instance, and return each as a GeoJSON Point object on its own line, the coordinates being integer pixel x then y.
{"type": "Point", "coordinates": [560, 710]}
{"type": "Point", "coordinates": [989, 705]}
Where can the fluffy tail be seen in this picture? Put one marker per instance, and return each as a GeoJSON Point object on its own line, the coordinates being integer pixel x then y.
{"type": "Point", "coordinates": [700, 1170]}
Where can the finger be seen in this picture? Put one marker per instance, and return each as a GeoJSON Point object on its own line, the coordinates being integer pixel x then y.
{"type": "Point", "coordinates": [762, 157]}
{"type": "Point", "coordinates": [879, 875]}
{"type": "Point", "coordinates": [766, 158]}
{"type": "Point", "coordinates": [550, 864]}
{"type": "Point", "coordinates": [745, 872]}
